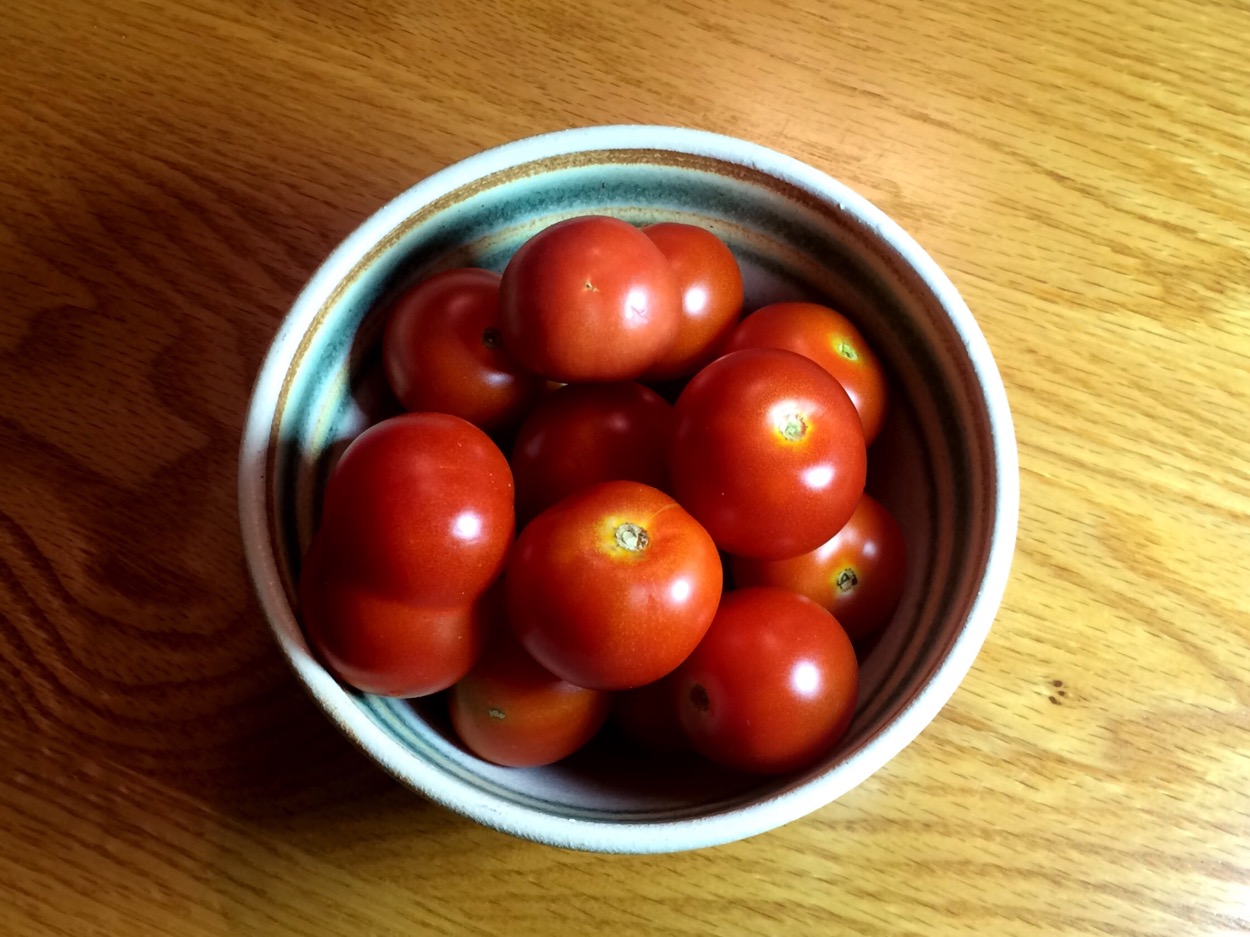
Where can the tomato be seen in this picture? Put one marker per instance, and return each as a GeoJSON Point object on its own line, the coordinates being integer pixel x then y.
{"type": "Point", "coordinates": [647, 716]}
{"type": "Point", "coordinates": [613, 586]}
{"type": "Point", "coordinates": [711, 296]}
{"type": "Point", "coordinates": [420, 509]}
{"type": "Point", "coordinates": [416, 525]}
{"type": "Point", "coordinates": [772, 686]}
{"type": "Point", "coordinates": [858, 575]}
{"type": "Point", "coordinates": [442, 351]}
{"type": "Point", "coordinates": [589, 299]}
{"type": "Point", "coordinates": [511, 711]}
{"type": "Point", "coordinates": [832, 341]}
{"type": "Point", "coordinates": [384, 645]}
{"type": "Point", "coordinates": [768, 453]}
{"type": "Point", "coordinates": [587, 433]}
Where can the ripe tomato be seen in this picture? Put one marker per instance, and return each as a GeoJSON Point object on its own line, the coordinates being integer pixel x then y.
{"type": "Point", "coordinates": [858, 575]}
{"type": "Point", "coordinates": [829, 339]}
{"type": "Point", "coordinates": [711, 296]}
{"type": "Point", "coordinates": [768, 453]}
{"type": "Point", "coordinates": [386, 646]}
{"type": "Point", "coordinates": [772, 686]}
{"type": "Point", "coordinates": [419, 509]}
{"type": "Point", "coordinates": [587, 433]}
{"type": "Point", "coordinates": [511, 711]}
{"type": "Point", "coordinates": [612, 587]}
{"type": "Point", "coordinates": [442, 351]}
{"type": "Point", "coordinates": [589, 299]}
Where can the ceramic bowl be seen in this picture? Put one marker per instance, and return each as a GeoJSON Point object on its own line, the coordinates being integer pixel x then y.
{"type": "Point", "coordinates": [945, 462]}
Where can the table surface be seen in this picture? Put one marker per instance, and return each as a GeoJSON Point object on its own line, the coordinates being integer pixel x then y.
{"type": "Point", "coordinates": [170, 173]}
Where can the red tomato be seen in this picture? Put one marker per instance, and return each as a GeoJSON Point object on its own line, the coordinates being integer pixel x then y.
{"type": "Point", "coordinates": [511, 711]}
{"type": "Point", "coordinates": [772, 686]}
{"type": "Point", "coordinates": [768, 453]}
{"type": "Point", "coordinates": [384, 645]}
{"type": "Point", "coordinates": [587, 433]}
{"type": "Point", "coordinates": [711, 296]}
{"type": "Point", "coordinates": [858, 575]}
{"type": "Point", "coordinates": [648, 717]}
{"type": "Point", "coordinates": [442, 351]}
{"type": "Point", "coordinates": [589, 299]}
{"type": "Point", "coordinates": [829, 339]}
{"type": "Point", "coordinates": [419, 509]}
{"type": "Point", "coordinates": [612, 587]}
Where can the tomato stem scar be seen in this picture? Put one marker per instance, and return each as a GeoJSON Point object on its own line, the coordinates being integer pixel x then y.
{"type": "Point", "coordinates": [793, 426]}
{"type": "Point", "coordinates": [847, 351]}
{"type": "Point", "coordinates": [699, 698]}
{"type": "Point", "coordinates": [496, 713]}
{"type": "Point", "coordinates": [632, 537]}
{"type": "Point", "coordinates": [847, 580]}
{"type": "Point", "coordinates": [491, 337]}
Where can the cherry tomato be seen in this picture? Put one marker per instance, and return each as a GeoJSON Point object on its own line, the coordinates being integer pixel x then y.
{"type": "Point", "coordinates": [589, 299]}
{"type": "Point", "coordinates": [511, 711]}
{"type": "Point", "coordinates": [648, 717]}
{"type": "Point", "coordinates": [384, 645]}
{"type": "Point", "coordinates": [442, 351]}
{"type": "Point", "coordinates": [832, 341]}
{"type": "Point", "coordinates": [613, 586]}
{"type": "Point", "coordinates": [768, 453]}
{"type": "Point", "coordinates": [771, 688]}
{"type": "Point", "coordinates": [420, 509]}
{"type": "Point", "coordinates": [711, 296]}
{"type": "Point", "coordinates": [587, 433]}
{"type": "Point", "coordinates": [858, 575]}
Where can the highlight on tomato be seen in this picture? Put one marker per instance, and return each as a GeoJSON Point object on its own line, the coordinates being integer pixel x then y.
{"type": "Point", "coordinates": [442, 351]}
{"type": "Point", "coordinates": [416, 523]}
{"type": "Point", "coordinates": [772, 686]}
{"type": "Point", "coordinates": [858, 574]}
{"type": "Point", "coordinates": [613, 587]}
{"type": "Point", "coordinates": [830, 339]}
{"type": "Point", "coordinates": [768, 453]}
{"type": "Point", "coordinates": [589, 299]}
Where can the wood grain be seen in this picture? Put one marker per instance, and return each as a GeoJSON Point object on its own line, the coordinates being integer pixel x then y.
{"type": "Point", "coordinates": [172, 172]}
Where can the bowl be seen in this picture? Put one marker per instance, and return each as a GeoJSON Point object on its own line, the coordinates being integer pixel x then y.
{"type": "Point", "coordinates": [945, 463]}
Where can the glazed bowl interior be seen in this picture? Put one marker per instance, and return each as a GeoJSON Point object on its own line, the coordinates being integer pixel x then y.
{"type": "Point", "coordinates": [945, 462]}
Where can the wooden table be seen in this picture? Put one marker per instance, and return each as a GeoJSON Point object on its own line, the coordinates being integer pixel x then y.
{"type": "Point", "coordinates": [171, 172]}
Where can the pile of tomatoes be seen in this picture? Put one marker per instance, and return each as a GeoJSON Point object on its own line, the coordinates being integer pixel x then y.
{"type": "Point", "coordinates": [698, 571]}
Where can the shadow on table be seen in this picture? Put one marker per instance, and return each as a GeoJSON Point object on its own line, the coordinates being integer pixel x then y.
{"type": "Point", "coordinates": [141, 296]}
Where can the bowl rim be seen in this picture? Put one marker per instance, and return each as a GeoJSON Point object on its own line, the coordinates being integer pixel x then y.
{"type": "Point", "coordinates": [603, 835]}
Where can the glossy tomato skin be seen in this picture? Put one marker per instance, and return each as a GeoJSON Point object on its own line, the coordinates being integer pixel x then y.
{"type": "Point", "coordinates": [589, 299]}
{"type": "Point", "coordinates": [420, 509]}
{"type": "Point", "coordinates": [513, 712]}
{"type": "Point", "coordinates": [583, 434]}
{"type": "Point", "coordinates": [612, 587]}
{"type": "Point", "coordinates": [772, 686]}
{"type": "Point", "coordinates": [442, 351]}
{"type": "Point", "coordinates": [384, 645]}
{"type": "Point", "coordinates": [711, 296]}
{"type": "Point", "coordinates": [832, 341]}
{"type": "Point", "coordinates": [858, 575]}
{"type": "Point", "coordinates": [768, 453]}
